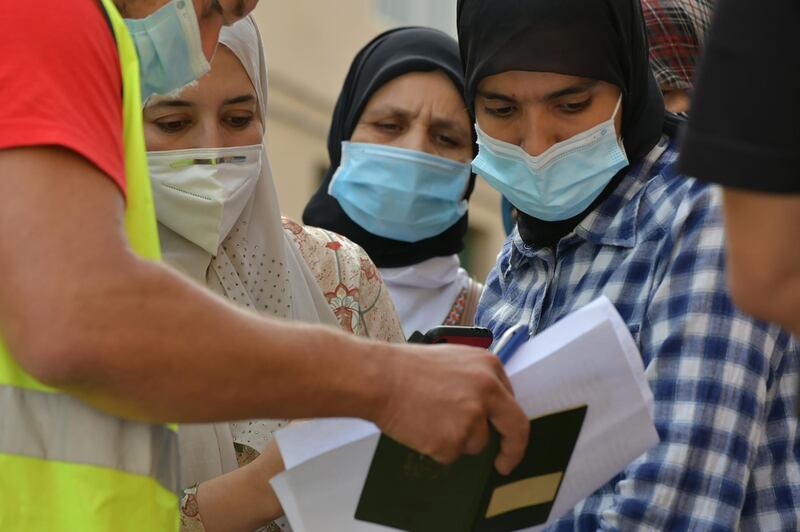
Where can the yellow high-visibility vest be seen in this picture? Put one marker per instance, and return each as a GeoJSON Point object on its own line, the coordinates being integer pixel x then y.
{"type": "Point", "coordinates": [63, 464]}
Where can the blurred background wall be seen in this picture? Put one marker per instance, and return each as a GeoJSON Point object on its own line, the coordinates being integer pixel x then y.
{"type": "Point", "coordinates": [310, 44]}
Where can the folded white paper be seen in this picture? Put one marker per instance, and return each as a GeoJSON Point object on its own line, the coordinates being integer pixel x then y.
{"type": "Point", "coordinates": [587, 358]}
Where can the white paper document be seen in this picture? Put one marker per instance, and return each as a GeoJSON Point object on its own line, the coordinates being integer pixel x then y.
{"type": "Point", "coordinates": [587, 358]}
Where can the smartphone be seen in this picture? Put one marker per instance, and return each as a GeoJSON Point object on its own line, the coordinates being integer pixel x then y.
{"type": "Point", "coordinates": [473, 336]}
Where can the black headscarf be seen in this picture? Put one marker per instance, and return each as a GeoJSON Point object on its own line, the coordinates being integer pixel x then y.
{"type": "Point", "coordinates": [388, 56]}
{"type": "Point", "coordinates": [598, 39]}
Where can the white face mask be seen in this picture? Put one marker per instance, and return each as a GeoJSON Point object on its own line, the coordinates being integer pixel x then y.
{"type": "Point", "coordinates": [201, 193]}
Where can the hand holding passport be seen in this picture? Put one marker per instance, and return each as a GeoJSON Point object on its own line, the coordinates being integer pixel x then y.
{"type": "Point", "coordinates": [582, 384]}
{"type": "Point", "coordinates": [408, 491]}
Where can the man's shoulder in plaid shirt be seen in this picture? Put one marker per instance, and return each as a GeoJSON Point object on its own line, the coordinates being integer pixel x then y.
{"type": "Point", "coordinates": [723, 382]}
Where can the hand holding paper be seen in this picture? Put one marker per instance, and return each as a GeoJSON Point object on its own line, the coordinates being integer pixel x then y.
{"type": "Point", "coordinates": [586, 360]}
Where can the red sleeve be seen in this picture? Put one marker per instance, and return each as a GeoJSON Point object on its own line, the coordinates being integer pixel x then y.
{"type": "Point", "coordinates": [60, 81]}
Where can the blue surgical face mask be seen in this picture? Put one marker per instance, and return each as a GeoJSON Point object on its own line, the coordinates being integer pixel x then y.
{"type": "Point", "coordinates": [404, 195]}
{"type": "Point", "coordinates": [560, 183]}
{"type": "Point", "coordinates": [169, 48]}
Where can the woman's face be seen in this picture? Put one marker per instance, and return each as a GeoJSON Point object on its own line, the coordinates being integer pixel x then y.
{"type": "Point", "coordinates": [420, 111]}
{"type": "Point", "coordinates": [220, 111]}
{"type": "Point", "coordinates": [535, 110]}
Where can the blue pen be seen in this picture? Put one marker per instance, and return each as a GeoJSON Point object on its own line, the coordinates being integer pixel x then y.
{"type": "Point", "coordinates": [511, 340]}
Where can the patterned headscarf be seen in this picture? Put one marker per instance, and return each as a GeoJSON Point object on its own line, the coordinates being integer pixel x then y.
{"type": "Point", "coordinates": [676, 30]}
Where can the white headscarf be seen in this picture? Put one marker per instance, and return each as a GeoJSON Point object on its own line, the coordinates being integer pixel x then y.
{"type": "Point", "coordinates": [258, 267]}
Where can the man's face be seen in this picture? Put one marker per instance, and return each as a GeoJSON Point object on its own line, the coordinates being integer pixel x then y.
{"type": "Point", "coordinates": [211, 15]}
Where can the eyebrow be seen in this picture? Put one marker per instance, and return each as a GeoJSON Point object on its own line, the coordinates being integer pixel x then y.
{"type": "Point", "coordinates": [171, 103]}
{"type": "Point", "coordinates": [574, 89]}
{"type": "Point", "coordinates": [404, 113]}
{"type": "Point", "coordinates": [567, 91]}
{"type": "Point", "coordinates": [490, 95]}
{"type": "Point", "coordinates": [445, 123]}
{"type": "Point", "coordinates": [389, 109]}
{"type": "Point", "coordinates": [244, 98]}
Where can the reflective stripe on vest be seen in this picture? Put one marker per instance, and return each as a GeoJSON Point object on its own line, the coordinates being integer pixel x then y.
{"type": "Point", "coordinates": [61, 429]}
{"type": "Point", "coordinates": [63, 464]}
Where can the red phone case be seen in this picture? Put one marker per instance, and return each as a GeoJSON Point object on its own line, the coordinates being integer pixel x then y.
{"type": "Point", "coordinates": [472, 336]}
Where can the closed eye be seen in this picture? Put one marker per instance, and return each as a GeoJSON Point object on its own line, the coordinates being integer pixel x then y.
{"type": "Point", "coordinates": [388, 127]}
{"type": "Point", "coordinates": [173, 126]}
{"type": "Point", "coordinates": [238, 122]}
{"type": "Point", "coordinates": [447, 141]}
{"type": "Point", "coordinates": [575, 107]}
{"type": "Point", "coordinates": [500, 112]}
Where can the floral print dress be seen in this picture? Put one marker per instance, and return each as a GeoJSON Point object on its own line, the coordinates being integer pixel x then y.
{"type": "Point", "coordinates": [350, 281]}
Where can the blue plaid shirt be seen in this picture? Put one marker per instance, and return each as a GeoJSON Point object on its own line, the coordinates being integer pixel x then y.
{"type": "Point", "coordinates": [724, 383]}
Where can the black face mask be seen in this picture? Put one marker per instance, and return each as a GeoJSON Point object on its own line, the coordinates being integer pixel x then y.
{"type": "Point", "coordinates": [603, 40]}
{"type": "Point", "coordinates": [387, 57]}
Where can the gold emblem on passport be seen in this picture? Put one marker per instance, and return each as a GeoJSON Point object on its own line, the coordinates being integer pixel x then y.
{"type": "Point", "coordinates": [421, 467]}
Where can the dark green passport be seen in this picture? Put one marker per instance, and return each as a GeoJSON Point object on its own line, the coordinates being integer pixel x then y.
{"type": "Point", "coordinates": [409, 491]}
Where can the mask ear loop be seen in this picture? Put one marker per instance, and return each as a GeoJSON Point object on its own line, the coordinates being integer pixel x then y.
{"type": "Point", "coordinates": [620, 140]}
{"type": "Point", "coordinates": [468, 186]}
{"type": "Point", "coordinates": [616, 109]}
